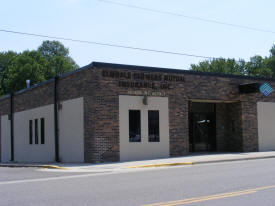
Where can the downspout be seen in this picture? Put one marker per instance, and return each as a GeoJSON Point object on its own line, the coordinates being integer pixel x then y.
{"type": "Point", "coordinates": [56, 128]}
{"type": "Point", "coordinates": [11, 127]}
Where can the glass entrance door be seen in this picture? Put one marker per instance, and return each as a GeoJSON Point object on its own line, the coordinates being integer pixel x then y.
{"type": "Point", "coordinates": [202, 131]}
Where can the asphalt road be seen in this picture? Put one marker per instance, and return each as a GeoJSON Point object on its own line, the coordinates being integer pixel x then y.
{"type": "Point", "coordinates": [232, 183]}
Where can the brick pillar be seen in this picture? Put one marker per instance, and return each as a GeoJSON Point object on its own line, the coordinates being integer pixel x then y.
{"type": "Point", "coordinates": [178, 125]}
{"type": "Point", "coordinates": [249, 126]}
{"type": "Point", "coordinates": [229, 127]}
{"type": "Point", "coordinates": [235, 127]}
{"type": "Point", "coordinates": [221, 131]}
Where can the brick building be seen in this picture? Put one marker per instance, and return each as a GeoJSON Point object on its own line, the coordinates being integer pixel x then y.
{"type": "Point", "coordinates": [110, 112]}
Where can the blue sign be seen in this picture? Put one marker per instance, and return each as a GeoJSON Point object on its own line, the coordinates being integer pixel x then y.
{"type": "Point", "coordinates": [266, 89]}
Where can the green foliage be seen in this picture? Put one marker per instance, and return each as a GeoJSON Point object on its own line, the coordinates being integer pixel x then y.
{"type": "Point", "coordinates": [225, 66]}
{"type": "Point", "coordinates": [257, 66]}
{"type": "Point", "coordinates": [50, 49]}
{"type": "Point", "coordinates": [5, 60]}
{"type": "Point", "coordinates": [272, 51]}
{"type": "Point", "coordinates": [49, 60]}
{"type": "Point", "coordinates": [28, 65]}
{"type": "Point", "coordinates": [270, 62]}
{"type": "Point", "coordinates": [57, 57]}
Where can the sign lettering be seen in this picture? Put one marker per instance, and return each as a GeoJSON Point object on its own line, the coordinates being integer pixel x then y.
{"type": "Point", "coordinates": [143, 80]}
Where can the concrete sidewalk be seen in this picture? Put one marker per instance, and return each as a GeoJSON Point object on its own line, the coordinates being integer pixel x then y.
{"type": "Point", "coordinates": [190, 159]}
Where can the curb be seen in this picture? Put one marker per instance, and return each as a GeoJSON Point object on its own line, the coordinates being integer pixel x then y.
{"type": "Point", "coordinates": [233, 160]}
{"type": "Point", "coordinates": [54, 167]}
{"type": "Point", "coordinates": [161, 165]}
{"type": "Point", "coordinates": [144, 165]}
{"type": "Point", "coordinates": [198, 162]}
{"type": "Point", "coordinates": [35, 166]}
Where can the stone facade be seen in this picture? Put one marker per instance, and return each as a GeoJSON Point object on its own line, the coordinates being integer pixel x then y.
{"type": "Point", "coordinates": [236, 118]}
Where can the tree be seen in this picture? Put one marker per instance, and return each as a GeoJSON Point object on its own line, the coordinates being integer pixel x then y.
{"type": "Point", "coordinates": [270, 61]}
{"type": "Point", "coordinates": [257, 66]}
{"type": "Point", "coordinates": [50, 49]}
{"type": "Point", "coordinates": [272, 51]}
{"type": "Point", "coordinates": [28, 65]}
{"type": "Point", "coordinates": [225, 66]}
{"type": "Point", "coordinates": [5, 60]}
{"type": "Point", "coordinates": [49, 60]}
{"type": "Point", "coordinates": [57, 57]}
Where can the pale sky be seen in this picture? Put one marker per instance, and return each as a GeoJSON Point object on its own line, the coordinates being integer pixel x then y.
{"type": "Point", "coordinates": [93, 20]}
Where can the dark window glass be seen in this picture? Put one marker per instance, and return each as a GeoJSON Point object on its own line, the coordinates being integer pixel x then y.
{"type": "Point", "coordinates": [134, 126]}
{"type": "Point", "coordinates": [153, 125]}
{"type": "Point", "coordinates": [36, 131]}
{"type": "Point", "coordinates": [30, 131]}
{"type": "Point", "coordinates": [42, 130]}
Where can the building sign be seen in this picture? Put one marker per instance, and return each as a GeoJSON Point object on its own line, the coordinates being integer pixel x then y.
{"type": "Point", "coordinates": [147, 93]}
{"type": "Point", "coordinates": [266, 89]}
{"type": "Point", "coordinates": [143, 80]}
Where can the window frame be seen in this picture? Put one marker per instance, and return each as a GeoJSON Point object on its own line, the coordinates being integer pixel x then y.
{"type": "Point", "coordinates": [153, 133]}
{"type": "Point", "coordinates": [136, 131]}
{"type": "Point", "coordinates": [36, 131]}
{"type": "Point", "coordinates": [30, 131]}
{"type": "Point", "coordinates": [42, 130]}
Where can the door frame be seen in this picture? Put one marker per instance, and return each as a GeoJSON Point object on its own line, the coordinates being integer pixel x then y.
{"type": "Point", "coordinates": [211, 145]}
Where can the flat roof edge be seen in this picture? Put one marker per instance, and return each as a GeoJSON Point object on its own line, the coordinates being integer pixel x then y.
{"type": "Point", "coordinates": [177, 71]}
{"type": "Point", "coordinates": [140, 68]}
{"type": "Point", "coordinates": [48, 81]}
{"type": "Point", "coordinates": [5, 97]}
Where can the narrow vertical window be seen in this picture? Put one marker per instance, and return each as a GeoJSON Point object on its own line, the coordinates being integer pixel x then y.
{"type": "Point", "coordinates": [36, 131]}
{"type": "Point", "coordinates": [134, 126]}
{"type": "Point", "coordinates": [42, 130]}
{"type": "Point", "coordinates": [153, 125]}
{"type": "Point", "coordinates": [30, 131]}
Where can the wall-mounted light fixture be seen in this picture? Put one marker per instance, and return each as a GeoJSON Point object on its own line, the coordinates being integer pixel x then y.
{"type": "Point", "coordinates": [28, 83]}
{"type": "Point", "coordinates": [145, 100]}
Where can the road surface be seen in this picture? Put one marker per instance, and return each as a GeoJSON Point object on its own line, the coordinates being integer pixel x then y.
{"type": "Point", "coordinates": [230, 183]}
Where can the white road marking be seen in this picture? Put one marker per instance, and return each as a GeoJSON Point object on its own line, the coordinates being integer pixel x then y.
{"type": "Point", "coordinates": [95, 173]}
{"type": "Point", "coordinates": [47, 179]}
